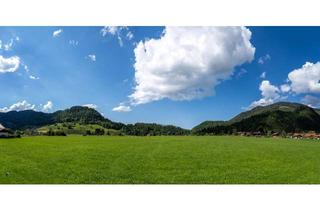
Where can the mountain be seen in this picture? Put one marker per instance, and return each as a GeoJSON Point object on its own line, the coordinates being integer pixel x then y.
{"type": "Point", "coordinates": [78, 119]}
{"type": "Point", "coordinates": [278, 117]}
{"type": "Point", "coordinates": [25, 119]}
{"type": "Point", "coordinates": [33, 119]}
{"type": "Point", "coordinates": [84, 115]}
{"type": "Point", "coordinates": [281, 106]}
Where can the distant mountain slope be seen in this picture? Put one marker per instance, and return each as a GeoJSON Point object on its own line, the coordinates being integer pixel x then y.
{"type": "Point", "coordinates": [78, 118]}
{"type": "Point", "coordinates": [84, 115]}
{"type": "Point", "coordinates": [278, 117]}
{"type": "Point", "coordinates": [281, 106]}
{"type": "Point", "coordinates": [25, 119]}
{"type": "Point", "coordinates": [78, 114]}
{"type": "Point", "coordinates": [209, 124]}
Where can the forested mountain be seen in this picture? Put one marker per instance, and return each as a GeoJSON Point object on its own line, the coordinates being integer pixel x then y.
{"type": "Point", "coordinates": [25, 119]}
{"type": "Point", "coordinates": [78, 115]}
{"type": "Point", "coordinates": [84, 115]}
{"type": "Point", "coordinates": [278, 117]}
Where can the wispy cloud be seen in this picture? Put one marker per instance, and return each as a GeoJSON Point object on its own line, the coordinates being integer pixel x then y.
{"type": "Point", "coordinates": [92, 57]}
{"type": "Point", "coordinates": [122, 108]}
{"type": "Point", "coordinates": [264, 58]}
{"type": "Point", "coordinates": [57, 33]}
{"type": "Point", "coordinates": [121, 32]}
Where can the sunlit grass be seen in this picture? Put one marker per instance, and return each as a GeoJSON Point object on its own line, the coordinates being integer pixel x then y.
{"type": "Point", "coordinates": [148, 160]}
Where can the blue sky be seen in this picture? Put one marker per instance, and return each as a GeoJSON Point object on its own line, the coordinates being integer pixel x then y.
{"type": "Point", "coordinates": [151, 74]}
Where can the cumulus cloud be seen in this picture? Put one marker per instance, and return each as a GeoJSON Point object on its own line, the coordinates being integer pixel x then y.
{"type": "Point", "coordinates": [285, 88]}
{"type": "Point", "coordinates": [186, 63]}
{"type": "Point", "coordinates": [264, 58]}
{"type": "Point", "coordinates": [120, 32]}
{"type": "Point", "coordinates": [10, 64]}
{"type": "Point", "coordinates": [305, 79]}
{"type": "Point", "coordinates": [48, 106]}
{"type": "Point", "coordinates": [311, 101]}
{"type": "Point", "coordinates": [92, 106]}
{"type": "Point", "coordinates": [24, 105]}
{"type": "Point", "coordinates": [92, 57]}
{"type": "Point", "coordinates": [122, 108]}
{"type": "Point", "coordinates": [269, 92]}
{"type": "Point", "coordinates": [57, 33]}
{"type": "Point", "coordinates": [19, 106]}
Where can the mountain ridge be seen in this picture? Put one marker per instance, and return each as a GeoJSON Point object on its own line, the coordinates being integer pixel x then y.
{"type": "Point", "coordinates": [277, 117]}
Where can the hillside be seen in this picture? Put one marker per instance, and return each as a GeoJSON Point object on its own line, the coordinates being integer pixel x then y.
{"type": "Point", "coordinates": [278, 117]}
{"type": "Point", "coordinates": [81, 120]}
{"type": "Point", "coordinates": [84, 115]}
{"type": "Point", "coordinates": [19, 120]}
{"type": "Point", "coordinates": [280, 106]}
{"type": "Point", "coordinates": [25, 119]}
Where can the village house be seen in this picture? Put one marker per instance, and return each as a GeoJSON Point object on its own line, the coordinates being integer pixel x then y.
{"type": "Point", "coordinates": [5, 133]}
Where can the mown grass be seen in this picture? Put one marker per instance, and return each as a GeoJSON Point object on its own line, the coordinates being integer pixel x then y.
{"type": "Point", "coordinates": [165, 160]}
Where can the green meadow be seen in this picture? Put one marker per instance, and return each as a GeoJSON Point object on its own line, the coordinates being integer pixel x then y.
{"type": "Point", "coordinates": [158, 160]}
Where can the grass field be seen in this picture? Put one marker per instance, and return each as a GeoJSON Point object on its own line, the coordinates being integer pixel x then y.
{"type": "Point", "coordinates": [149, 160]}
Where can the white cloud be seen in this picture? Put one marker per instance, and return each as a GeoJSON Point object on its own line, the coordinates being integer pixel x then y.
{"type": "Point", "coordinates": [241, 72]}
{"type": "Point", "coordinates": [92, 57]}
{"type": "Point", "coordinates": [285, 88]}
{"type": "Point", "coordinates": [10, 64]}
{"type": "Point", "coordinates": [129, 35]}
{"type": "Point", "coordinates": [305, 79]}
{"type": "Point", "coordinates": [48, 106]}
{"type": "Point", "coordinates": [311, 101]}
{"type": "Point", "coordinates": [263, 75]}
{"type": "Point", "coordinates": [26, 68]}
{"type": "Point", "coordinates": [188, 62]}
{"type": "Point", "coordinates": [33, 77]}
{"type": "Point", "coordinates": [269, 92]}
{"type": "Point", "coordinates": [8, 46]}
{"type": "Point", "coordinates": [113, 30]}
{"type": "Point", "coordinates": [261, 102]}
{"type": "Point", "coordinates": [119, 31]}
{"type": "Point", "coordinates": [264, 58]}
{"type": "Point", "coordinates": [74, 43]}
{"type": "Point", "coordinates": [92, 106]}
{"type": "Point", "coordinates": [19, 106]}
{"type": "Point", "coordinates": [57, 33]}
{"type": "Point", "coordinates": [122, 108]}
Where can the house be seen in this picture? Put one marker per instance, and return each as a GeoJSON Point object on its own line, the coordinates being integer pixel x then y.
{"type": "Point", "coordinates": [5, 133]}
